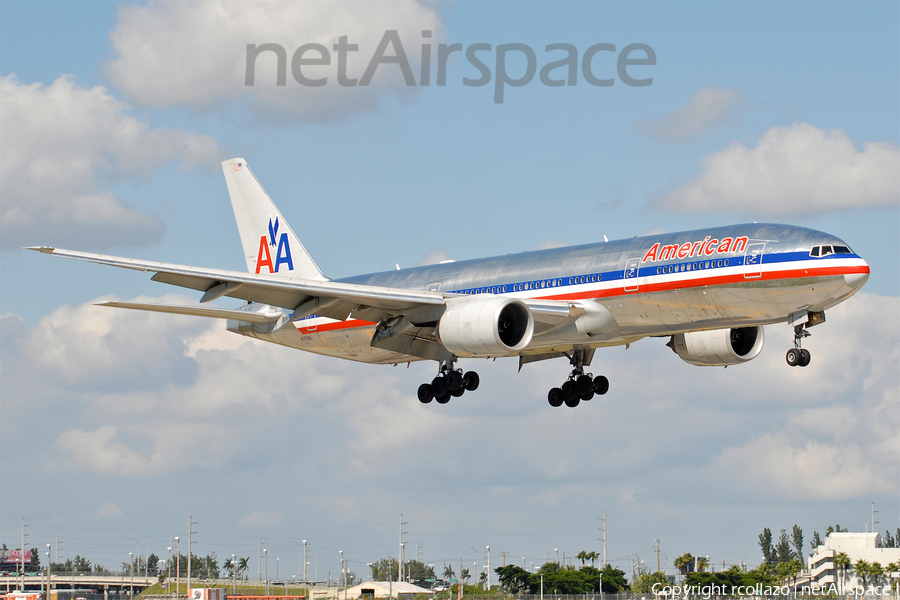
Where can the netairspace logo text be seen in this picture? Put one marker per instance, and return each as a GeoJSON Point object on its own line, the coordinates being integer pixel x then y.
{"type": "Point", "coordinates": [596, 64]}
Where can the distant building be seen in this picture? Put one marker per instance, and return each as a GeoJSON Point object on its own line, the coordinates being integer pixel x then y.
{"type": "Point", "coordinates": [384, 589]}
{"type": "Point", "coordinates": [865, 546]}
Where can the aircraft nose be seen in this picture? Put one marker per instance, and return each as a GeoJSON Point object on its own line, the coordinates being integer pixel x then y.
{"type": "Point", "coordinates": [857, 277]}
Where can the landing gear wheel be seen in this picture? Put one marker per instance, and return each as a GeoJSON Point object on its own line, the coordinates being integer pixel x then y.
{"type": "Point", "coordinates": [425, 394]}
{"type": "Point", "coordinates": [805, 357]}
{"type": "Point", "coordinates": [793, 357]}
{"type": "Point", "coordinates": [584, 384]}
{"type": "Point", "coordinates": [439, 387]}
{"type": "Point", "coordinates": [588, 395]}
{"type": "Point", "coordinates": [601, 385]}
{"type": "Point", "coordinates": [573, 402]}
{"type": "Point", "coordinates": [458, 392]}
{"type": "Point", "coordinates": [472, 381]}
{"type": "Point", "coordinates": [555, 398]}
{"type": "Point", "coordinates": [454, 380]}
{"type": "Point", "coordinates": [568, 391]}
{"type": "Point", "coordinates": [443, 399]}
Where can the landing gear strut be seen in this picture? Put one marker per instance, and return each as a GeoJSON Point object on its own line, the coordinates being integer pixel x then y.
{"type": "Point", "coordinates": [797, 356]}
{"type": "Point", "coordinates": [448, 382]}
{"type": "Point", "coordinates": [579, 385]}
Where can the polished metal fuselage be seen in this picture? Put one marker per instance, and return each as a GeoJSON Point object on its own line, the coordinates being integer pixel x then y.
{"type": "Point", "coordinates": [717, 278]}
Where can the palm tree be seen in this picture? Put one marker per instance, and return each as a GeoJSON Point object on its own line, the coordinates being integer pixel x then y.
{"type": "Point", "coordinates": [592, 556]}
{"type": "Point", "coordinates": [582, 556]}
{"type": "Point", "coordinates": [842, 561]}
{"type": "Point", "coordinates": [702, 564]}
{"type": "Point", "coordinates": [242, 566]}
{"type": "Point", "coordinates": [684, 563]}
{"type": "Point", "coordinates": [862, 568]}
{"type": "Point", "coordinates": [448, 573]}
{"type": "Point", "coordinates": [876, 571]}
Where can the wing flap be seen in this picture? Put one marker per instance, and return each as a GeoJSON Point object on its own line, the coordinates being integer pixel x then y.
{"type": "Point", "coordinates": [201, 311]}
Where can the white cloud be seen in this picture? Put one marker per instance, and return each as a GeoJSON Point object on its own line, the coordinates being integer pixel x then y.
{"type": "Point", "coordinates": [59, 142]}
{"type": "Point", "coordinates": [108, 509]}
{"type": "Point", "coordinates": [709, 108]}
{"type": "Point", "coordinates": [194, 53]}
{"type": "Point", "coordinates": [793, 170]}
{"type": "Point", "coordinates": [258, 519]}
{"type": "Point", "coordinates": [760, 426]}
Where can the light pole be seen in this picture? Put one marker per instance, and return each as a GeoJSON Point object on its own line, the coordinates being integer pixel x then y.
{"type": "Point", "coordinates": [48, 572]}
{"type": "Point", "coordinates": [488, 580]}
{"type": "Point", "coordinates": [177, 564]}
{"type": "Point", "coordinates": [266, 555]}
{"type": "Point", "coordinates": [557, 556]}
{"type": "Point", "coordinates": [233, 574]}
{"type": "Point", "coordinates": [169, 567]}
{"type": "Point", "coordinates": [131, 560]}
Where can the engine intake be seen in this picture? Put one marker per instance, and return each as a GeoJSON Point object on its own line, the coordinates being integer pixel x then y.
{"type": "Point", "coordinates": [486, 327]}
{"type": "Point", "coordinates": [719, 347]}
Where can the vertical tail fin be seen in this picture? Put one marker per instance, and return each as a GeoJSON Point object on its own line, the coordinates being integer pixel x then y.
{"type": "Point", "coordinates": [270, 245]}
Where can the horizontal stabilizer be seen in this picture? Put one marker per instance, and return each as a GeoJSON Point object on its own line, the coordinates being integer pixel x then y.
{"type": "Point", "coordinates": [269, 316]}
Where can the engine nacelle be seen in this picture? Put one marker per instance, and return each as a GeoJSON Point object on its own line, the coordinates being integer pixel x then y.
{"type": "Point", "coordinates": [719, 347]}
{"type": "Point", "coordinates": [486, 326]}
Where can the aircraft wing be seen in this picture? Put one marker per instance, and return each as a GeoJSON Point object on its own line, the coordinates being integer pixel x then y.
{"type": "Point", "coordinates": [326, 298]}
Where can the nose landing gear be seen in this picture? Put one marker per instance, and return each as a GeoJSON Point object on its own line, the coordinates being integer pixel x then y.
{"type": "Point", "coordinates": [797, 356]}
{"type": "Point", "coordinates": [449, 383]}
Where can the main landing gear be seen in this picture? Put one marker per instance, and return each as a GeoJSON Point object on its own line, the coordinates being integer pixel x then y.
{"type": "Point", "coordinates": [579, 385]}
{"type": "Point", "coordinates": [449, 382]}
{"type": "Point", "coordinates": [797, 356]}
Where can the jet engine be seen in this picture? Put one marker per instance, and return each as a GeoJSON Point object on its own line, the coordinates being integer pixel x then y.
{"type": "Point", "coordinates": [486, 326]}
{"type": "Point", "coordinates": [719, 346]}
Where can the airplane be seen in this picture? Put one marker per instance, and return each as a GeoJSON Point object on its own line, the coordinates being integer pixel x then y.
{"type": "Point", "coordinates": [709, 291]}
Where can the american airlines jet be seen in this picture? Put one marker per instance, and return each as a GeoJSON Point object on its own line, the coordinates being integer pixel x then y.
{"type": "Point", "coordinates": [708, 291]}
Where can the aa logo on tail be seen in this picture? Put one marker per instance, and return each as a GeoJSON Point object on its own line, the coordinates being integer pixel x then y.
{"type": "Point", "coordinates": [282, 254]}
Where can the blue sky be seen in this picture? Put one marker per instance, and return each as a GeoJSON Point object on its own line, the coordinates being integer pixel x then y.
{"type": "Point", "coordinates": [799, 100]}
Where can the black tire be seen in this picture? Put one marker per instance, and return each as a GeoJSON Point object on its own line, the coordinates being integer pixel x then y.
{"type": "Point", "coordinates": [454, 380]}
{"type": "Point", "coordinates": [573, 402]}
{"type": "Point", "coordinates": [601, 385]}
{"type": "Point", "coordinates": [439, 386]}
{"type": "Point", "coordinates": [472, 381]}
{"type": "Point", "coordinates": [554, 397]}
{"type": "Point", "coordinates": [568, 391]}
{"type": "Point", "coordinates": [425, 393]}
{"type": "Point", "coordinates": [586, 397]}
{"type": "Point", "coordinates": [584, 384]}
{"type": "Point", "coordinates": [793, 357]}
{"type": "Point", "coordinates": [458, 392]}
{"type": "Point", "coordinates": [805, 357]}
{"type": "Point", "coordinates": [443, 399]}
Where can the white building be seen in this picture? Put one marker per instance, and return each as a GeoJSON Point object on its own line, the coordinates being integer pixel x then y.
{"type": "Point", "coordinates": [384, 589]}
{"type": "Point", "coordinates": [865, 546]}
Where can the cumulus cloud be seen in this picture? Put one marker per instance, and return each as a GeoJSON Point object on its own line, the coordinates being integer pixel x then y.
{"type": "Point", "coordinates": [828, 430]}
{"type": "Point", "coordinates": [258, 519]}
{"type": "Point", "coordinates": [108, 509]}
{"type": "Point", "coordinates": [195, 53]}
{"type": "Point", "coordinates": [709, 108]}
{"type": "Point", "coordinates": [59, 143]}
{"type": "Point", "coordinates": [793, 170]}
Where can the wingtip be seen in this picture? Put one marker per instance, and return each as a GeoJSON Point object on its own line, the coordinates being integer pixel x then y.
{"type": "Point", "coordinates": [44, 249]}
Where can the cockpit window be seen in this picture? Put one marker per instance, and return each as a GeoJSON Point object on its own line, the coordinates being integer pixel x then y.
{"type": "Point", "coordinates": [826, 250]}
